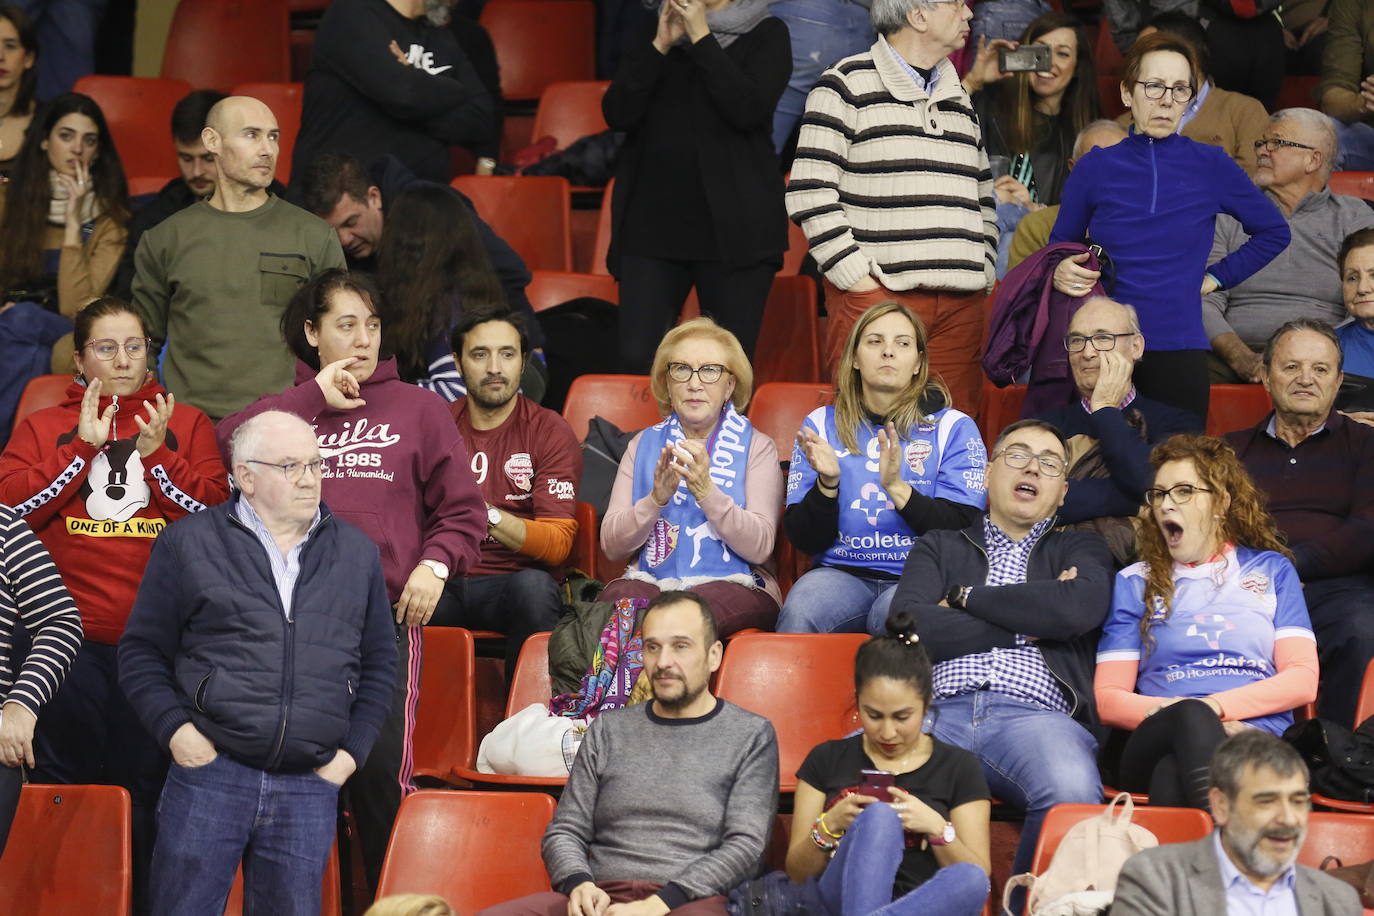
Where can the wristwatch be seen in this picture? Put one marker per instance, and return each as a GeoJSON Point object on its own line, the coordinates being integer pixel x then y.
{"type": "Point", "coordinates": [945, 838]}
{"type": "Point", "coordinates": [439, 569]}
{"type": "Point", "coordinates": [493, 517]}
{"type": "Point", "coordinates": [957, 596]}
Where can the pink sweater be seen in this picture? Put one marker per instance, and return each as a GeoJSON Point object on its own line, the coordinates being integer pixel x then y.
{"type": "Point", "coordinates": [749, 532]}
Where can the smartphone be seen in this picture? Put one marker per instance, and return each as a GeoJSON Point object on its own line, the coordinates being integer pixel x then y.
{"type": "Point", "coordinates": [1025, 59]}
{"type": "Point", "coordinates": [876, 783]}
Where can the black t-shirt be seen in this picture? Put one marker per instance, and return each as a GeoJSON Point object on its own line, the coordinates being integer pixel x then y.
{"type": "Point", "coordinates": [950, 778]}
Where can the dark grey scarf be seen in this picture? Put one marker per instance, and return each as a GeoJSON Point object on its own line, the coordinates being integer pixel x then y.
{"type": "Point", "coordinates": [732, 20]}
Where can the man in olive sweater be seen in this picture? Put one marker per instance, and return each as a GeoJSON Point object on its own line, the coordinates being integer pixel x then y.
{"type": "Point", "coordinates": [212, 280]}
{"type": "Point", "coordinates": [669, 803]}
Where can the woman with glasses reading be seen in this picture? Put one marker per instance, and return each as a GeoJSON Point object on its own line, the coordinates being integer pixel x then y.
{"type": "Point", "coordinates": [1208, 634]}
{"type": "Point", "coordinates": [696, 501]}
{"type": "Point", "coordinates": [97, 477]}
{"type": "Point", "coordinates": [1151, 202]}
{"type": "Point", "coordinates": [888, 462]}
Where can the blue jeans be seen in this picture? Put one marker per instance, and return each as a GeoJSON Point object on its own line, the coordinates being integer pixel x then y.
{"type": "Point", "coordinates": [823, 32]}
{"type": "Point", "coordinates": [1003, 19]}
{"type": "Point", "coordinates": [518, 604]}
{"type": "Point", "coordinates": [281, 825]}
{"type": "Point", "coordinates": [826, 600]}
{"type": "Point", "coordinates": [66, 33]}
{"type": "Point", "coordinates": [1009, 216]}
{"type": "Point", "coordinates": [1032, 758]}
{"type": "Point", "coordinates": [858, 881]}
{"type": "Point", "coordinates": [1356, 146]}
{"type": "Point", "coordinates": [1342, 613]}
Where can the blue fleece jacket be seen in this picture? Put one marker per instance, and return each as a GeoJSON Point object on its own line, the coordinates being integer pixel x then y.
{"type": "Point", "coordinates": [1152, 205]}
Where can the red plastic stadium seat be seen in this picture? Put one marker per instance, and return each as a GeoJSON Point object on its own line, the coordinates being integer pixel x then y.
{"type": "Point", "coordinates": [474, 849]}
{"type": "Point", "coordinates": [553, 287]}
{"type": "Point", "coordinates": [797, 249]}
{"type": "Point", "coordinates": [331, 903]}
{"type": "Point", "coordinates": [540, 42]}
{"type": "Point", "coordinates": [818, 704]}
{"type": "Point", "coordinates": [1296, 92]}
{"type": "Point", "coordinates": [788, 348]}
{"type": "Point", "coordinates": [139, 112]}
{"type": "Point", "coordinates": [285, 100]}
{"type": "Point", "coordinates": [445, 729]}
{"type": "Point", "coordinates": [1353, 184]}
{"type": "Point", "coordinates": [147, 184]}
{"type": "Point", "coordinates": [1169, 825]}
{"type": "Point", "coordinates": [533, 214]}
{"type": "Point", "coordinates": [69, 852]}
{"type": "Point", "coordinates": [216, 44]}
{"type": "Point", "coordinates": [569, 111]}
{"type": "Point", "coordinates": [1348, 837]}
{"type": "Point", "coordinates": [530, 683]}
{"type": "Point", "coordinates": [625, 400]}
{"type": "Point", "coordinates": [1001, 408]}
{"type": "Point", "coordinates": [778, 409]}
{"type": "Point", "coordinates": [43, 391]}
{"type": "Point", "coordinates": [1236, 407]}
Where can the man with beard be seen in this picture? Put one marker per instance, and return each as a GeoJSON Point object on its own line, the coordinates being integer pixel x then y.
{"type": "Point", "coordinates": [213, 280]}
{"type": "Point", "coordinates": [669, 802]}
{"type": "Point", "coordinates": [526, 461]}
{"type": "Point", "coordinates": [1313, 463]}
{"type": "Point", "coordinates": [1260, 801]}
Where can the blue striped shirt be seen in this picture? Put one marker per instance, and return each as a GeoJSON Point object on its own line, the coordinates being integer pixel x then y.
{"type": "Point", "coordinates": [286, 567]}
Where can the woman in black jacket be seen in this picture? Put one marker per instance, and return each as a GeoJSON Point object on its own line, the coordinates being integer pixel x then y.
{"type": "Point", "coordinates": [698, 194]}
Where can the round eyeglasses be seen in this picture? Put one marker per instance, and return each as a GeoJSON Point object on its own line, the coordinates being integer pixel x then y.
{"type": "Point", "coordinates": [709, 373]}
{"type": "Point", "coordinates": [107, 348]}
{"type": "Point", "coordinates": [293, 471]}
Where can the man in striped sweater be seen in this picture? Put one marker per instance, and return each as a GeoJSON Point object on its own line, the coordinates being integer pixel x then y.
{"type": "Point", "coordinates": [892, 188]}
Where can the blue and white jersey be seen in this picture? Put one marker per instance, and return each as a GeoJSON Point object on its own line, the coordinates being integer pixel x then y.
{"type": "Point", "coordinates": [944, 458]}
{"type": "Point", "coordinates": [1220, 635]}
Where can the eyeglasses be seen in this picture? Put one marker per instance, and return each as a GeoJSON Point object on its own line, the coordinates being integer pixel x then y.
{"type": "Point", "coordinates": [294, 470]}
{"type": "Point", "coordinates": [1269, 144]}
{"type": "Point", "coordinates": [1075, 343]}
{"type": "Point", "coordinates": [1050, 465]}
{"type": "Point", "coordinates": [709, 373]}
{"type": "Point", "coordinates": [1180, 493]}
{"type": "Point", "coordinates": [107, 349]}
{"type": "Point", "coordinates": [1155, 91]}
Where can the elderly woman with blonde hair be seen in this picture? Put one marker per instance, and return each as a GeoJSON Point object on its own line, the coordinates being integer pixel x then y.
{"type": "Point", "coordinates": [697, 499]}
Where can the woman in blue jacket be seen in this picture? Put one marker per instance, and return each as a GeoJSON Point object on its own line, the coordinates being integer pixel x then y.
{"type": "Point", "coordinates": [887, 463]}
{"type": "Point", "coordinates": [1151, 202]}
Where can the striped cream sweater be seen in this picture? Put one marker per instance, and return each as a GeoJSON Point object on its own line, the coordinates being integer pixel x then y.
{"type": "Point", "coordinates": [894, 183]}
{"type": "Point", "coordinates": [32, 593]}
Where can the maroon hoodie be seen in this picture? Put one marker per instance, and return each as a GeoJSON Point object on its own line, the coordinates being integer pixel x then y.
{"type": "Point", "coordinates": [397, 469]}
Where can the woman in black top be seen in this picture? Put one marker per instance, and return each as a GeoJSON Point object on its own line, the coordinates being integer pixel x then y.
{"type": "Point", "coordinates": [927, 848]}
{"type": "Point", "coordinates": [698, 198]}
{"type": "Point", "coordinates": [18, 79]}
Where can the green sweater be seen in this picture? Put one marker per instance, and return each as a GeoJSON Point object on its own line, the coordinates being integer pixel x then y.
{"type": "Point", "coordinates": [213, 285]}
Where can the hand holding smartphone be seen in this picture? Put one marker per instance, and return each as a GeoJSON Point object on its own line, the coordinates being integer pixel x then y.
{"type": "Point", "coordinates": [875, 783]}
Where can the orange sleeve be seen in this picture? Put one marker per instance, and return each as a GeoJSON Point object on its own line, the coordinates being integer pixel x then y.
{"type": "Point", "coordinates": [1293, 684]}
{"type": "Point", "coordinates": [549, 540]}
{"type": "Point", "coordinates": [1114, 689]}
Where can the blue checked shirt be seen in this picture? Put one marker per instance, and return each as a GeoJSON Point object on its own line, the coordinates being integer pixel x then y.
{"type": "Point", "coordinates": [1018, 672]}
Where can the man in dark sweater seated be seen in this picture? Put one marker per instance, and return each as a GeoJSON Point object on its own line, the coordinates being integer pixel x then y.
{"type": "Point", "coordinates": [1317, 467]}
{"type": "Point", "coordinates": [1111, 428]}
{"type": "Point", "coordinates": [669, 802]}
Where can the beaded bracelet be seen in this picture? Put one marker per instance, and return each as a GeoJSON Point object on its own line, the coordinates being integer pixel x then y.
{"type": "Point", "coordinates": [824, 845]}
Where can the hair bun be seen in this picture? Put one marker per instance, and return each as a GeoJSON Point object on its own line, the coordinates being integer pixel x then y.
{"type": "Point", "coordinates": [901, 625]}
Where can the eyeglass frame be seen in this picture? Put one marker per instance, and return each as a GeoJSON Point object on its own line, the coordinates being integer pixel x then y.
{"type": "Point", "coordinates": [147, 347]}
{"type": "Point", "coordinates": [1039, 458]}
{"type": "Point", "coordinates": [1093, 337]}
{"type": "Point", "coordinates": [697, 372]}
{"type": "Point", "coordinates": [320, 465]}
{"type": "Point", "coordinates": [1154, 496]}
{"type": "Point", "coordinates": [1269, 144]}
{"type": "Point", "coordinates": [1172, 91]}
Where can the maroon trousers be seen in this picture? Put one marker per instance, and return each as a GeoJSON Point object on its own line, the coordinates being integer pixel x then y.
{"type": "Point", "coordinates": [552, 903]}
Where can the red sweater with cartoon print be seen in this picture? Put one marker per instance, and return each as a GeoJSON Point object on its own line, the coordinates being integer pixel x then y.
{"type": "Point", "coordinates": [98, 510]}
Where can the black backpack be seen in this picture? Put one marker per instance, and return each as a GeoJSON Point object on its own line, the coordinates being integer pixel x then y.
{"type": "Point", "coordinates": [1341, 761]}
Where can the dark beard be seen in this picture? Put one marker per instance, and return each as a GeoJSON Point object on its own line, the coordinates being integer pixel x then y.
{"type": "Point", "coordinates": [477, 397]}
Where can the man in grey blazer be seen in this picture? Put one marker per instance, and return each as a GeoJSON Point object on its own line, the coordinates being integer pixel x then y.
{"type": "Point", "coordinates": [1259, 800]}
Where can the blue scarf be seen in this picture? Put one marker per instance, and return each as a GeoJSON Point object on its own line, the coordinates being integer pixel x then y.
{"type": "Point", "coordinates": [683, 549]}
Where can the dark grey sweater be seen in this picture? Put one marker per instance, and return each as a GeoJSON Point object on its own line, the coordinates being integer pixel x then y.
{"type": "Point", "coordinates": [682, 802]}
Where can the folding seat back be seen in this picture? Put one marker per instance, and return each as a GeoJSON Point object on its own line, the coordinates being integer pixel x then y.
{"type": "Point", "coordinates": [533, 214]}
{"type": "Point", "coordinates": [139, 114]}
{"type": "Point", "coordinates": [625, 400]}
{"type": "Point", "coordinates": [445, 730]}
{"type": "Point", "coordinates": [69, 852]}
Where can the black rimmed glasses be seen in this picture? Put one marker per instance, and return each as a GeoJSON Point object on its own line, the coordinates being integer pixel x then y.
{"type": "Point", "coordinates": [1180, 493]}
{"type": "Point", "coordinates": [1155, 91]}
{"type": "Point", "coordinates": [1075, 343]}
{"type": "Point", "coordinates": [1020, 459]}
{"type": "Point", "coordinates": [709, 373]}
{"type": "Point", "coordinates": [1269, 144]}
{"type": "Point", "coordinates": [107, 348]}
{"type": "Point", "coordinates": [293, 471]}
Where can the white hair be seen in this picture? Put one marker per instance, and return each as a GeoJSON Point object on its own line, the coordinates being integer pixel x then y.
{"type": "Point", "coordinates": [889, 16]}
{"type": "Point", "coordinates": [1317, 127]}
{"type": "Point", "coordinates": [247, 439]}
{"type": "Point", "coordinates": [1081, 140]}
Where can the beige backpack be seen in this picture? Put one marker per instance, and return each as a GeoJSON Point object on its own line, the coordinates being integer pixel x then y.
{"type": "Point", "coordinates": [1082, 875]}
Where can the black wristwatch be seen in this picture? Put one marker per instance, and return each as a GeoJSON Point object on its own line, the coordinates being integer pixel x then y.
{"type": "Point", "coordinates": [957, 596]}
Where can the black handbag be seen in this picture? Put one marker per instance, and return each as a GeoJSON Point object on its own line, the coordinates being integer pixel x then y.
{"type": "Point", "coordinates": [1341, 761]}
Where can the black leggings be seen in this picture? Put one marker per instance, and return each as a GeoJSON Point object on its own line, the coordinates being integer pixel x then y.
{"type": "Point", "coordinates": [1179, 378]}
{"type": "Point", "coordinates": [1170, 755]}
{"type": "Point", "coordinates": [652, 291]}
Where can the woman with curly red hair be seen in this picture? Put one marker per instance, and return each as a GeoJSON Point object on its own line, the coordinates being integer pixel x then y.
{"type": "Point", "coordinates": [1208, 633]}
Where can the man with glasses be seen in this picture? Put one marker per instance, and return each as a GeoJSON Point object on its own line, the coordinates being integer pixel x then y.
{"type": "Point", "coordinates": [1111, 427]}
{"type": "Point", "coordinates": [1296, 153]}
{"type": "Point", "coordinates": [260, 651]}
{"type": "Point", "coordinates": [1314, 464]}
{"type": "Point", "coordinates": [1008, 609]}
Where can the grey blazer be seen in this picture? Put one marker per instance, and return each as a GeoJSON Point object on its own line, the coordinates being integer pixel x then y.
{"type": "Point", "coordinates": [1184, 879]}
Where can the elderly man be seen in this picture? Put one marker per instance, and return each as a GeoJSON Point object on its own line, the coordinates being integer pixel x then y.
{"type": "Point", "coordinates": [892, 188]}
{"type": "Point", "coordinates": [1111, 428]}
{"type": "Point", "coordinates": [1295, 157]}
{"type": "Point", "coordinates": [1314, 464]}
{"type": "Point", "coordinates": [669, 802]}
{"type": "Point", "coordinates": [260, 652]}
{"type": "Point", "coordinates": [212, 280]}
{"type": "Point", "coordinates": [1260, 801]}
{"type": "Point", "coordinates": [1009, 610]}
